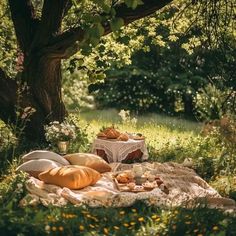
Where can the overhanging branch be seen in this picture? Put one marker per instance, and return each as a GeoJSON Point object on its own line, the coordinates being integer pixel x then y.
{"type": "Point", "coordinates": [68, 39]}
{"type": "Point", "coordinates": [149, 7]}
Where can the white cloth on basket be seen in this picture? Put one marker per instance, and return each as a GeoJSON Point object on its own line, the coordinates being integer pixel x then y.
{"type": "Point", "coordinates": [117, 151]}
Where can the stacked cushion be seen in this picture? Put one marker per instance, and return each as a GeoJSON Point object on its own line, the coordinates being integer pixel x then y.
{"type": "Point", "coordinates": [72, 176]}
{"type": "Point", "coordinates": [41, 154]}
{"type": "Point", "coordinates": [89, 160]}
{"type": "Point", "coordinates": [35, 167]}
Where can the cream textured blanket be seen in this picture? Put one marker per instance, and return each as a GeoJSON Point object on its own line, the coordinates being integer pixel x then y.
{"type": "Point", "coordinates": [186, 188]}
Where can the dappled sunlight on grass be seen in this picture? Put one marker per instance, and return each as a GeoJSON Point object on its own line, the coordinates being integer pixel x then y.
{"type": "Point", "coordinates": [168, 139]}
{"type": "Point", "coordinates": [160, 131]}
{"type": "Point", "coordinates": [111, 116]}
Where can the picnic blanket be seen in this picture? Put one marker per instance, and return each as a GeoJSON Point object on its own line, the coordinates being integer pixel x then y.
{"type": "Point", "coordinates": [185, 187]}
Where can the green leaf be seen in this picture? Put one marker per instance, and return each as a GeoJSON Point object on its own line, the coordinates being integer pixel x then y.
{"type": "Point", "coordinates": [97, 19]}
{"type": "Point", "coordinates": [113, 12]}
{"type": "Point", "coordinates": [100, 29]}
{"type": "Point", "coordinates": [133, 3]}
{"type": "Point", "coordinates": [128, 3]}
{"type": "Point", "coordinates": [116, 24]}
{"type": "Point", "coordinates": [96, 31]}
{"type": "Point", "coordinates": [9, 206]}
{"type": "Point", "coordinates": [39, 216]}
{"type": "Point", "coordinates": [94, 41]}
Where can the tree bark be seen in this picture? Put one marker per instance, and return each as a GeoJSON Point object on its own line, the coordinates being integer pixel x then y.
{"type": "Point", "coordinates": [38, 87]}
{"type": "Point", "coordinates": [43, 77]}
{"type": "Point", "coordinates": [41, 93]}
{"type": "Point", "coordinates": [8, 99]}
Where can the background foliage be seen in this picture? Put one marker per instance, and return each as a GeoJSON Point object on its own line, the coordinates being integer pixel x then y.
{"type": "Point", "coordinates": [170, 63]}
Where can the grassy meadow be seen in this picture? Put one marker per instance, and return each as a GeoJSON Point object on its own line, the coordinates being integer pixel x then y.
{"type": "Point", "coordinates": [160, 130]}
{"type": "Point", "coordinates": [168, 139]}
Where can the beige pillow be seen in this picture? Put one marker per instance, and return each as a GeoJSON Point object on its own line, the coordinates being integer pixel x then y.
{"type": "Point", "coordinates": [90, 160]}
{"type": "Point", "coordinates": [35, 167]}
{"type": "Point", "coordinates": [72, 176]}
{"type": "Point", "coordinates": [42, 154]}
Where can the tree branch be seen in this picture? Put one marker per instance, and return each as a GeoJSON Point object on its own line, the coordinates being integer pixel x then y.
{"type": "Point", "coordinates": [63, 42]}
{"type": "Point", "coordinates": [52, 14]}
{"type": "Point", "coordinates": [149, 7]}
{"type": "Point", "coordinates": [23, 17]}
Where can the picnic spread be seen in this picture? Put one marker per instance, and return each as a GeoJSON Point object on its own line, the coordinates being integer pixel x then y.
{"type": "Point", "coordinates": [115, 146]}
{"type": "Point", "coordinates": [87, 178]}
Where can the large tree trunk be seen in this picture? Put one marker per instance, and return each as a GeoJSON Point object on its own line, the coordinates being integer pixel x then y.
{"type": "Point", "coordinates": [37, 98]}
{"type": "Point", "coordinates": [42, 75]}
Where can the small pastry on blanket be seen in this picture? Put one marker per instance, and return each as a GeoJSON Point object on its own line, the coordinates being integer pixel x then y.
{"type": "Point", "coordinates": [149, 185]}
{"type": "Point", "coordinates": [101, 135]}
{"type": "Point", "coordinates": [124, 178]}
{"type": "Point", "coordinates": [131, 185]}
{"type": "Point", "coordinates": [138, 188]}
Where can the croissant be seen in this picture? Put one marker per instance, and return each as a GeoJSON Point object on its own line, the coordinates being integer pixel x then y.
{"type": "Point", "coordinates": [112, 133]}
{"type": "Point", "coordinates": [123, 137]}
{"type": "Point", "coordinates": [101, 135]}
{"type": "Point", "coordinates": [124, 178]}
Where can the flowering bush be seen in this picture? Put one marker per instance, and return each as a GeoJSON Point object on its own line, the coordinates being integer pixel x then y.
{"type": "Point", "coordinates": [56, 131]}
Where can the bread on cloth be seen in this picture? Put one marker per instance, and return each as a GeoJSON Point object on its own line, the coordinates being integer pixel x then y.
{"type": "Point", "coordinates": [111, 132]}
{"type": "Point", "coordinates": [90, 160]}
{"type": "Point", "coordinates": [43, 154]}
{"type": "Point", "coordinates": [72, 176]}
{"type": "Point", "coordinates": [123, 137]}
{"type": "Point", "coordinates": [35, 167]}
{"type": "Point", "coordinates": [124, 178]}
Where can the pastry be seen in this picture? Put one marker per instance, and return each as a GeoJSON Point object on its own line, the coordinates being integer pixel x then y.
{"type": "Point", "coordinates": [149, 185]}
{"type": "Point", "coordinates": [123, 137]}
{"type": "Point", "coordinates": [124, 178]}
{"type": "Point", "coordinates": [111, 133]}
{"type": "Point", "coordinates": [101, 135]}
{"type": "Point", "coordinates": [136, 137]}
{"type": "Point", "coordinates": [131, 185]}
{"type": "Point", "coordinates": [138, 188]}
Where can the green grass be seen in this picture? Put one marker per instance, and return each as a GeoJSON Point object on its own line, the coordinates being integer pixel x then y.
{"type": "Point", "coordinates": [168, 139]}
{"type": "Point", "coordinates": [158, 129]}
{"type": "Point", "coordinates": [108, 117]}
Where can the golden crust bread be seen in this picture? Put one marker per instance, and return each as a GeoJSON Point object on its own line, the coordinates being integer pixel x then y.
{"type": "Point", "coordinates": [101, 135]}
{"type": "Point", "coordinates": [112, 133]}
{"type": "Point", "coordinates": [124, 178]}
{"type": "Point", "coordinates": [123, 137]}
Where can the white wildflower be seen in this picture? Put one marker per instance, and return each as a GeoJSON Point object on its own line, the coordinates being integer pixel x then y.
{"type": "Point", "coordinates": [47, 228]}
{"type": "Point", "coordinates": [19, 185]}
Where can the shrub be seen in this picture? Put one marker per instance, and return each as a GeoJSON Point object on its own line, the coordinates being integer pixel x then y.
{"type": "Point", "coordinates": [212, 102]}
{"type": "Point", "coordinates": [75, 92]}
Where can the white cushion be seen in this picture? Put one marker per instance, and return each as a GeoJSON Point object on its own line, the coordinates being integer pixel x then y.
{"type": "Point", "coordinates": [35, 167]}
{"type": "Point", "coordinates": [42, 154]}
